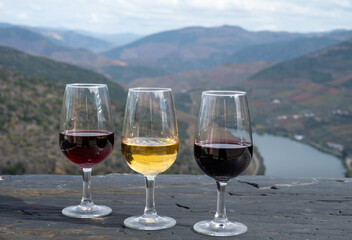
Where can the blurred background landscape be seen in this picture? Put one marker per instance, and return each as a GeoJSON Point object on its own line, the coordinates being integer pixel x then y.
{"type": "Point", "coordinates": [299, 81]}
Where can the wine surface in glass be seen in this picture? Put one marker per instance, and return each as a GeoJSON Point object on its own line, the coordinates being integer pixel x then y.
{"type": "Point", "coordinates": [223, 160]}
{"type": "Point", "coordinates": [86, 147]}
{"type": "Point", "coordinates": [149, 156]}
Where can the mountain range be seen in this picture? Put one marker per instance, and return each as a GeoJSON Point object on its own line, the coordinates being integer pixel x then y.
{"type": "Point", "coordinates": [169, 52]}
{"type": "Point", "coordinates": [34, 43]}
{"type": "Point", "coordinates": [297, 83]}
{"type": "Point", "coordinates": [31, 91]}
{"type": "Point", "coordinates": [199, 48]}
{"type": "Point", "coordinates": [118, 39]}
{"type": "Point", "coordinates": [211, 78]}
{"type": "Point", "coordinates": [74, 48]}
{"type": "Point", "coordinates": [78, 38]}
{"type": "Point", "coordinates": [43, 68]}
{"type": "Point", "coordinates": [74, 40]}
{"type": "Point", "coordinates": [286, 50]}
{"type": "Point", "coordinates": [310, 95]}
{"type": "Point", "coordinates": [192, 48]}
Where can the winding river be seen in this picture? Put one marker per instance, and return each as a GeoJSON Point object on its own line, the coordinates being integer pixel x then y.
{"type": "Point", "coordinates": [284, 157]}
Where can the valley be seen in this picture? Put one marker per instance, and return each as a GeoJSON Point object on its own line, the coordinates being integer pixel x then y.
{"type": "Point", "coordinates": [299, 86]}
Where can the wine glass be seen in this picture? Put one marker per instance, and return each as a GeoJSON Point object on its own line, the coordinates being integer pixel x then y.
{"type": "Point", "coordinates": [149, 145]}
{"type": "Point", "coordinates": [86, 138]}
{"type": "Point", "coordinates": [223, 149]}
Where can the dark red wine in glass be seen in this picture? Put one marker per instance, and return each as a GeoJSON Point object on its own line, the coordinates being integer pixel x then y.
{"type": "Point", "coordinates": [223, 149]}
{"type": "Point", "coordinates": [223, 159]}
{"type": "Point", "coordinates": [86, 147]}
{"type": "Point", "coordinates": [86, 138]}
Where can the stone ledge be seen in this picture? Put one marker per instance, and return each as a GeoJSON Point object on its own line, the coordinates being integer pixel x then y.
{"type": "Point", "coordinates": [272, 208]}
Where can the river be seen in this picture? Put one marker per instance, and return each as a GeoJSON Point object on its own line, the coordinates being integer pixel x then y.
{"type": "Point", "coordinates": [284, 157]}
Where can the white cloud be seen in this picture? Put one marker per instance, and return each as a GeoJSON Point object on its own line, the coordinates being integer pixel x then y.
{"type": "Point", "coordinates": [36, 7]}
{"type": "Point", "coordinates": [209, 4]}
{"type": "Point", "coordinates": [95, 18]}
{"type": "Point", "coordinates": [140, 16]}
{"type": "Point", "coordinates": [100, 18]}
{"type": "Point", "coordinates": [22, 16]}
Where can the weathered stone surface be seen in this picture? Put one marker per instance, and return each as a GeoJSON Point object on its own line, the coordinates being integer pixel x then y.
{"type": "Point", "coordinates": [272, 208]}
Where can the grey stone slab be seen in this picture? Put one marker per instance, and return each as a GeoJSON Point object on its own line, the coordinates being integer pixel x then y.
{"type": "Point", "coordinates": [272, 208]}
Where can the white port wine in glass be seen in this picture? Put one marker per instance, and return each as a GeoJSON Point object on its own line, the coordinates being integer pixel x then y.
{"type": "Point", "coordinates": [223, 149]}
{"type": "Point", "coordinates": [86, 138]}
{"type": "Point", "coordinates": [149, 145]}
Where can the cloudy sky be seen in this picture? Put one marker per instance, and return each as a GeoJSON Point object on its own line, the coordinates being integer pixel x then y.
{"type": "Point", "coordinates": [150, 16]}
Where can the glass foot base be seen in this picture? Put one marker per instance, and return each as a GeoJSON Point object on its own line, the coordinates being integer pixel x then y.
{"type": "Point", "coordinates": [93, 211]}
{"type": "Point", "coordinates": [154, 223]}
{"type": "Point", "coordinates": [212, 228]}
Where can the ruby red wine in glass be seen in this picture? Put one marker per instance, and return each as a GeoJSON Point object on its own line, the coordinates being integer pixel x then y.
{"type": "Point", "coordinates": [223, 150]}
{"type": "Point", "coordinates": [86, 147]}
{"type": "Point", "coordinates": [86, 138]}
{"type": "Point", "coordinates": [223, 160]}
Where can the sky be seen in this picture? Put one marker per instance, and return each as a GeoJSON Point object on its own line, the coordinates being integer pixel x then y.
{"type": "Point", "coordinates": [151, 16]}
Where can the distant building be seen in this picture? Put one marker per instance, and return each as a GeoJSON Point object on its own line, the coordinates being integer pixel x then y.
{"type": "Point", "coordinates": [296, 116]}
{"type": "Point", "coordinates": [298, 137]}
{"type": "Point", "coordinates": [282, 117]}
{"type": "Point", "coordinates": [340, 112]}
{"type": "Point", "coordinates": [335, 146]}
{"type": "Point", "coordinates": [308, 115]}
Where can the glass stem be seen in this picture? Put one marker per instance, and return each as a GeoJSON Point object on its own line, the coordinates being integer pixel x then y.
{"type": "Point", "coordinates": [220, 216]}
{"type": "Point", "coordinates": [149, 211]}
{"type": "Point", "coordinates": [87, 200]}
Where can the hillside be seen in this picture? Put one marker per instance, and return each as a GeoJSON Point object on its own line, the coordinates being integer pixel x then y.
{"type": "Point", "coordinates": [31, 90]}
{"type": "Point", "coordinates": [192, 48]}
{"type": "Point", "coordinates": [126, 74]}
{"type": "Point", "coordinates": [118, 39]}
{"type": "Point", "coordinates": [330, 66]}
{"type": "Point", "coordinates": [34, 43]}
{"type": "Point", "coordinates": [310, 96]}
{"type": "Point", "coordinates": [29, 111]}
{"type": "Point", "coordinates": [286, 50]}
{"type": "Point", "coordinates": [187, 87]}
{"type": "Point", "coordinates": [44, 68]}
{"type": "Point", "coordinates": [211, 78]}
{"type": "Point", "coordinates": [94, 42]}
{"type": "Point", "coordinates": [75, 40]}
{"type": "Point", "coordinates": [30, 117]}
